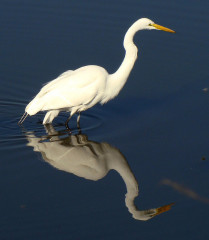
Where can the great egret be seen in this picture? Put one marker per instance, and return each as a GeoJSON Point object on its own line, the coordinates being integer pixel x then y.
{"type": "Point", "coordinates": [76, 91]}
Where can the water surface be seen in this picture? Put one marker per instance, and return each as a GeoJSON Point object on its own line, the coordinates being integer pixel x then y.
{"type": "Point", "coordinates": [136, 155]}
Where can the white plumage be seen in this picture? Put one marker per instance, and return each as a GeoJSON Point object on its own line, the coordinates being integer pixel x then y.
{"type": "Point", "coordinates": [76, 91]}
{"type": "Point", "coordinates": [69, 92]}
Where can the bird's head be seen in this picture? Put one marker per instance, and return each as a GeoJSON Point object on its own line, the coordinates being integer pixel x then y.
{"type": "Point", "coordinates": [146, 23]}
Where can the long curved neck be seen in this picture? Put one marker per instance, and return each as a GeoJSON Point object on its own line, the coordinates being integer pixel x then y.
{"type": "Point", "coordinates": [130, 57]}
{"type": "Point", "coordinates": [119, 78]}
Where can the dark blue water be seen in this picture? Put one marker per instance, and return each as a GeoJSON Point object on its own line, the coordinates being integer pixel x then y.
{"type": "Point", "coordinates": [136, 155]}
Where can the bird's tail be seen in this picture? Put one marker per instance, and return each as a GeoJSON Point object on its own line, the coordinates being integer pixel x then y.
{"type": "Point", "coordinates": [22, 119]}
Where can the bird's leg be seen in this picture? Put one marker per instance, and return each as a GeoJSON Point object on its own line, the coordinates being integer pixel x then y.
{"type": "Point", "coordinates": [66, 123]}
{"type": "Point", "coordinates": [78, 120]}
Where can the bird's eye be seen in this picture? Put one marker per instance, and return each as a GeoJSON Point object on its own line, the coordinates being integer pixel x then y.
{"type": "Point", "coordinates": [150, 24]}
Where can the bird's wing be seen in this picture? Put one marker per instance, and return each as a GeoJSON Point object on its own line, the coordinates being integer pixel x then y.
{"type": "Point", "coordinates": [58, 99]}
{"type": "Point", "coordinates": [67, 73]}
{"type": "Point", "coordinates": [74, 88]}
{"type": "Point", "coordinates": [46, 88]}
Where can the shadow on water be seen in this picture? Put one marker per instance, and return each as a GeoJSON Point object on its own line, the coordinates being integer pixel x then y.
{"type": "Point", "coordinates": [90, 160]}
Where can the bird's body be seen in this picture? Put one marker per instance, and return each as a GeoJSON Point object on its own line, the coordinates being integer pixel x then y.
{"type": "Point", "coordinates": [76, 91]}
{"type": "Point", "coordinates": [76, 94]}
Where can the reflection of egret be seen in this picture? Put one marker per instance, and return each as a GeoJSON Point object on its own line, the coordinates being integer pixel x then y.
{"type": "Point", "coordinates": [90, 160]}
{"type": "Point", "coordinates": [76, 91]}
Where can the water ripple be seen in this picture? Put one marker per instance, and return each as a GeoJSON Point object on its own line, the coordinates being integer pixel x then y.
{"type": "Point", "coordinates": [11, 112]}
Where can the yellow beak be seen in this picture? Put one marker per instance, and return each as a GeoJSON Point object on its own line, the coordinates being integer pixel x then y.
{"type": "Point", "coordinates": [163, 209]}
{"type": "Point", "coordinates": [162, 28]}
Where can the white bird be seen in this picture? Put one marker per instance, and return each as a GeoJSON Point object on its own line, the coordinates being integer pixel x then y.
{"type": "Point", "coordinates": [77, 90]}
